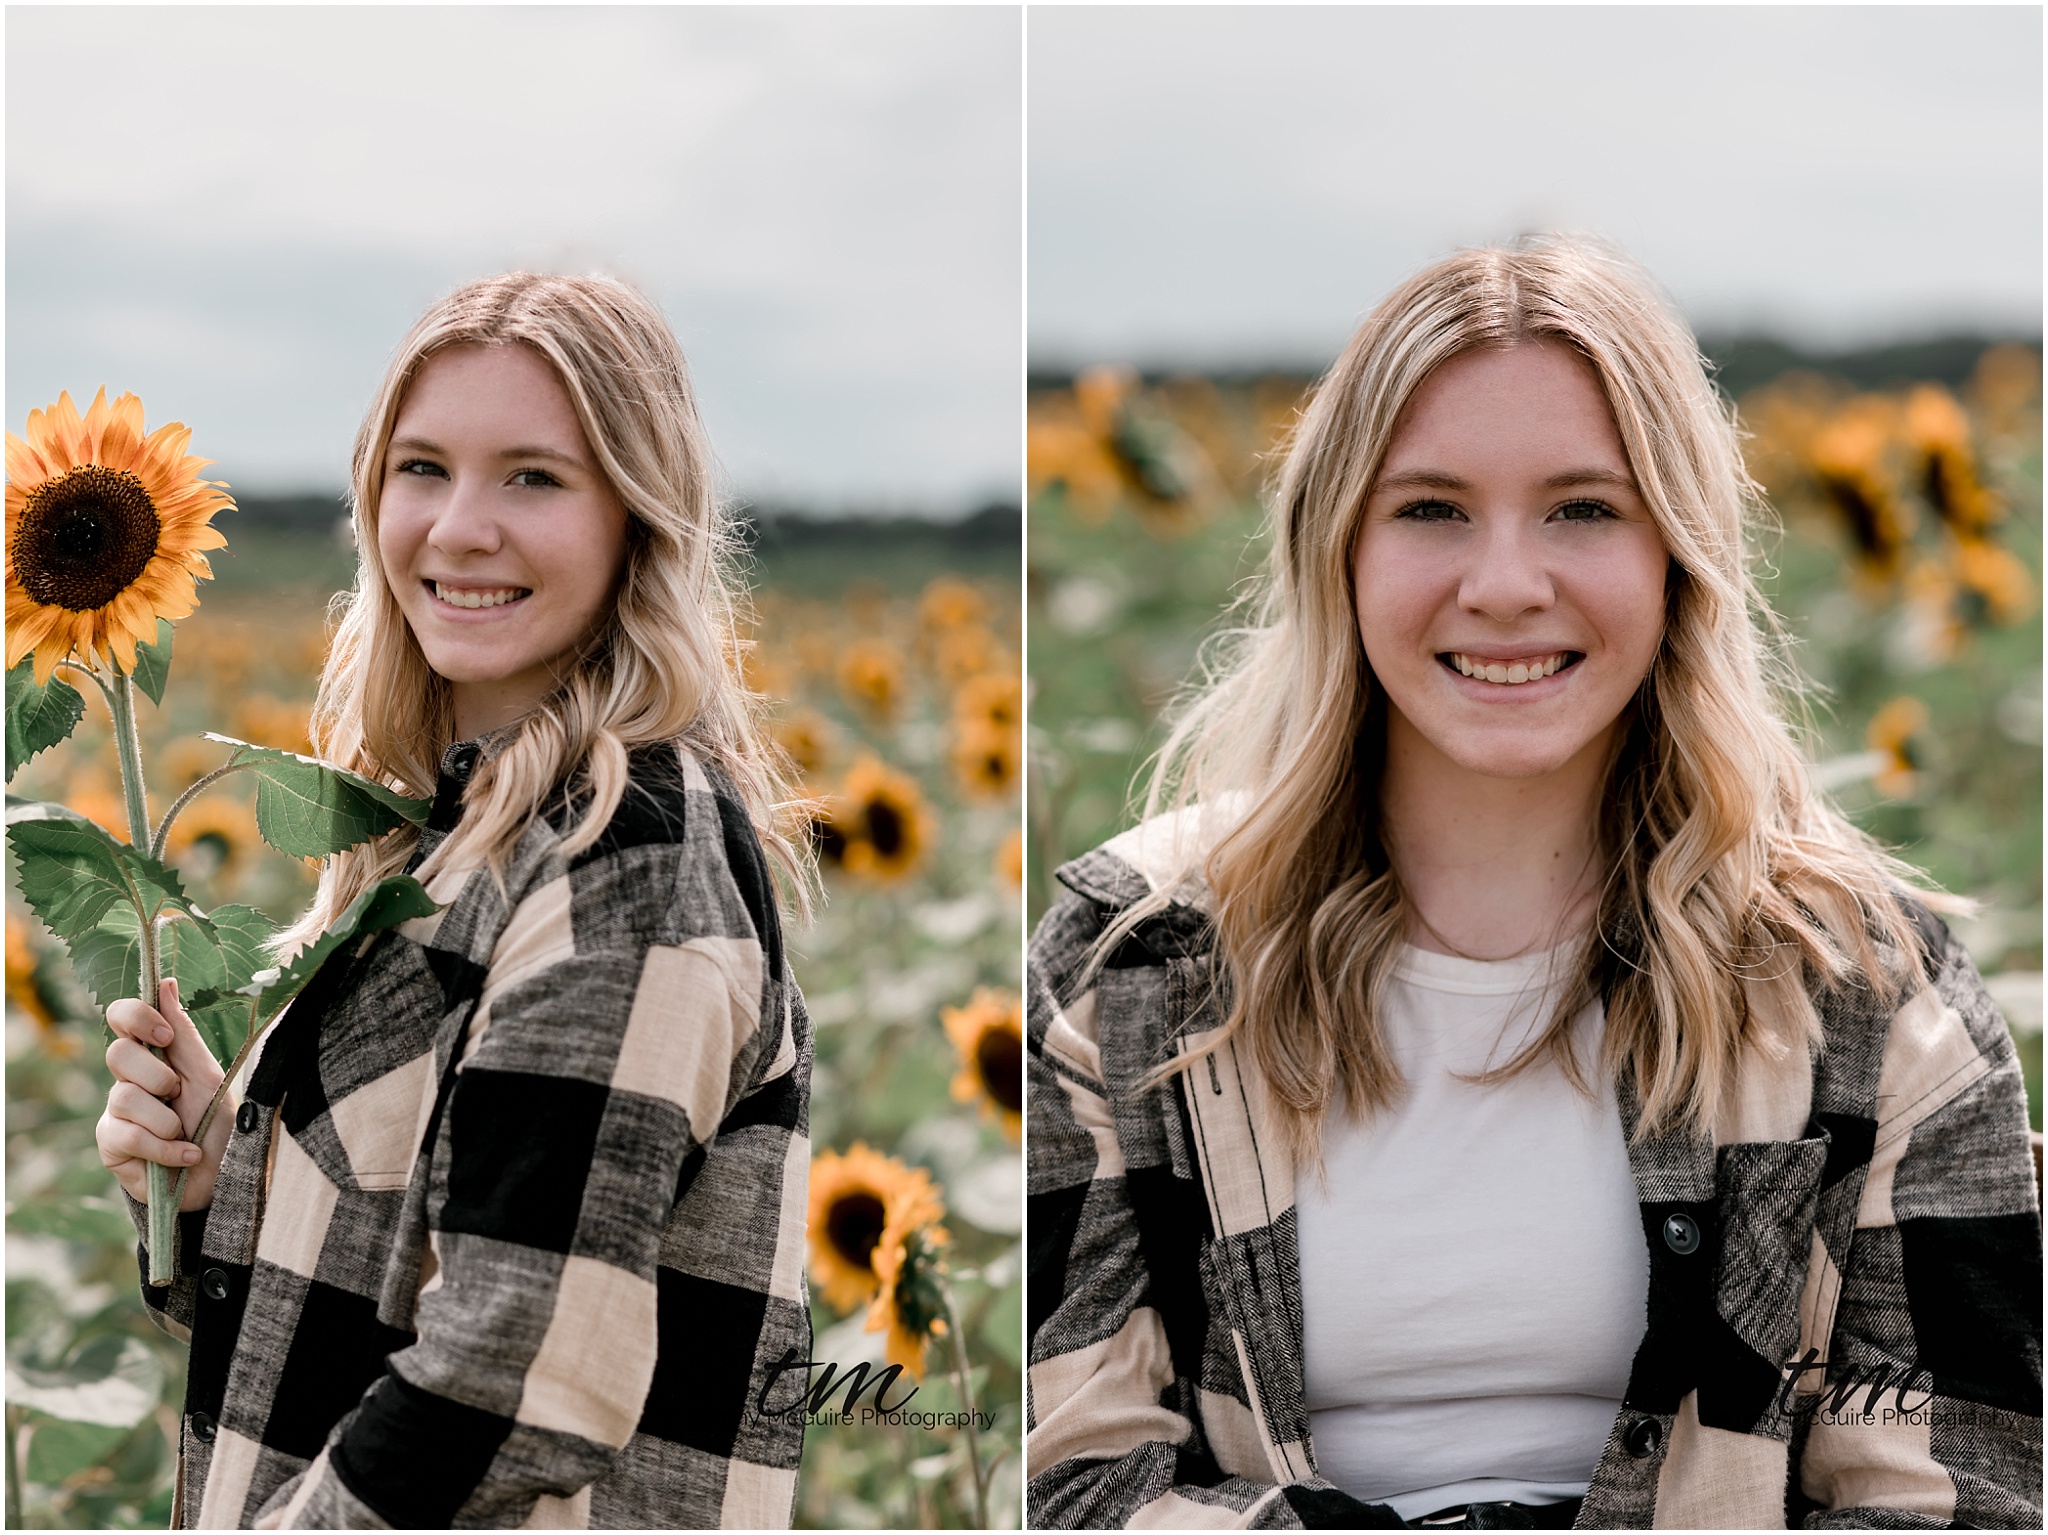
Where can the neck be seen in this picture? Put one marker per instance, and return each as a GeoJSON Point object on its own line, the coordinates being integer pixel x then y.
{"type": "Point", "coordinates": [1491, 867]}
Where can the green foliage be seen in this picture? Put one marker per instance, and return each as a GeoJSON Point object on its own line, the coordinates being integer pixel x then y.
{"type": "Point", "coordinates": [392, 900]}
{"type": "Point", "coordinates": [37, 717]}
{"type": "Point", "coordinates": [310, 809]}
{"type": "Point", "coordinates": [153, 663]}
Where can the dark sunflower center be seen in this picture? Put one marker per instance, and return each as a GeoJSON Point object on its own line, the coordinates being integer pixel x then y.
{"type": "Point", "coordinates": [885, 828]}
{"type": "Point", "coordinates": [84, 537]}
{"type": "Point", "coordinates": [855, 1226]}
{"type": "Point", "coordinates": [999, 1057]}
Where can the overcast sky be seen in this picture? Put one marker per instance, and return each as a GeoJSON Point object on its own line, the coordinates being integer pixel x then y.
{"type": "Point", "coordinates": [236, 212]}
{"type": "Point", "coordinates": [1238, 185]}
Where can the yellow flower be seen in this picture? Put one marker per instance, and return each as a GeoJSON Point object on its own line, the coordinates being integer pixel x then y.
{"type": "Point", "coordinates": [1892, 730]}
{"type": "Point", "coordinates": [948, 603]}
{"type": "Point", "coordinates": [22, 991]}
{"type": "Point", "coordinates": [1939, 435]}
{"type": "Point", "coordinates": [994, 699]}
{"type": "Point", "coordinates": [1996, 578]}
{"type": "Point", "coordinates": [104, 532]}
{"type": "Point", "coordinates": [986, 759]}
{"type": "Point", "coordinates": [1848, 458]}
{"type": "Point", "coordinates": [988, 1036]}
{"type": "Point", "coordinates": [277, 722]}
{"type": "Point", "coordinates": [858, 1199]}
{"type": "Point", "coordinates": [1010, 859]}
{"type": "Point", "coordinates": [219, 828]}
{"type": "Point", "coordinates": [909, 1302]}
{"type": "Point", "coordinates": [807, 737]}
{"type": "Point", "coordinates": [871, 672]}
{"type": "Point", "coordinates": [967, 651]}
{"type": "Point", "coordinates": [882, 818]}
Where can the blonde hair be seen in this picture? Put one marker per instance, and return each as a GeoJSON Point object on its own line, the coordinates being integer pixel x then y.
{"type": "Point", "coordinates": [666, 668]}
{"type": "Point", "coordinates": [1729, 875]}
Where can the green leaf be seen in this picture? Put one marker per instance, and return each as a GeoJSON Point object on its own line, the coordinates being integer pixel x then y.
{"type": "Point", "coordinates": [153, 663]}
{"type": "Point", "coordinates": [37, 717]}
{"type": "Point", "coordinates": [310, 809]}
{"type": "Point", "coordinates": [211, 989]}
{"type": "Point", "coordinates": [114, 1381]}
{"type": "Point", "coordinates": [390, 901]}
{"type": "Point", "coordinates": [91, 891]}
{"type": "Point", "coordinates": [58, 1451]}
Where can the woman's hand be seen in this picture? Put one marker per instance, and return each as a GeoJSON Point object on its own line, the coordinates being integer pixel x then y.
{"type": "Point", "coordinates": [155, 1104]}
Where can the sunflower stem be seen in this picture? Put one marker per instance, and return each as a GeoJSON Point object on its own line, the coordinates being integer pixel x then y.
{"type": "Point", "coordinates": [163, 1209]}
{"type": "Point", "coordinates": [95, 678]}
{"type": "Point", "coordinates": [963, 1373]}
{"type": "Point", "coordinates": [163, 831]}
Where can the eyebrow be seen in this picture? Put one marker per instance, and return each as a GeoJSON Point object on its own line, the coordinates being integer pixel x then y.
{"type": "Point", "coordinates": [421, 445]}
{"type": "Point", "coordinates": [1437, 479]}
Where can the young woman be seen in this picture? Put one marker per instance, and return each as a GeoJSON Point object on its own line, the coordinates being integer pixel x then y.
{"type": "Point", "coordinates": [1491, 1089]}
{"type": "Point", "coordinates": [508, 1225]}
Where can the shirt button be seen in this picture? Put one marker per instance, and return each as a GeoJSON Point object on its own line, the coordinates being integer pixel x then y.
{"type": "Point", "coordinates": [246, 1117]}
{"type": "Point", "coordinates": [1682, 1234]}
{"type": "Point", "coordinates": [215, 1283]}
{"type": "Point", "coordinates": [202, 1427]}
{"type": "Point", "coordinates": [1643, 1437]}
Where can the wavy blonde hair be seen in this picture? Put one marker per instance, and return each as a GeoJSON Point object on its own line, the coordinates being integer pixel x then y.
{"type": "Point", "coordinates": [665, 668]}
{"type": "Point", "coordinates": [1727, 877]}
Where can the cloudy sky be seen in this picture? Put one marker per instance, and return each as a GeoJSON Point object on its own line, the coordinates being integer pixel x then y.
{"type": "Point", "coordinates": [1238, 185]}
{"type": "Point", "coordinates": [237, 211]}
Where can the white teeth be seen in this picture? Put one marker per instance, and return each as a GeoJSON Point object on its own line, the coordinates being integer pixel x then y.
{"type": "Point", "coordinates": [1510, 674]}
{"type": "Point", "coordinates": [456, 597]}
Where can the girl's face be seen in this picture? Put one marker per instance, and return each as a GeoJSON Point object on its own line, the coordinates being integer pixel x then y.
{"type": "Point", "coordinates": [1510, 582]}
{"type": "Point", "coordinates": [500, 537]}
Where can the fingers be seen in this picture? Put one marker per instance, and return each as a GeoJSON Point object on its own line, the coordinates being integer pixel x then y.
{"type": "Point", "coordinates": [139, 1021]}
{"type": "Point", "coordinates": [130, 1062]}
{"type": "Point", "coordinates": [188, 1054]}
{"type": "Point", "coordinates": [122, 1141]}
{"type": "Point", "coordinates": [129, 1102]}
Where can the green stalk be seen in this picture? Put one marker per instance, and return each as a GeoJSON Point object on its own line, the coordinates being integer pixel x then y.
{"type": "Point", "coordinates": [163, 1209]}
{"type": "Point", "coordinates": [962, 1373]}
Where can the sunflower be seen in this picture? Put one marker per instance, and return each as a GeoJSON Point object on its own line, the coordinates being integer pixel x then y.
{"type": "Point", "coordinates": [104, 532]}
{"type": "Point", "coordinates": [871, 673]}
{"type": "Point", "coordinates": [1994, 579]}
{"type": "Point", "coordinates": [910, 1301]}
{"type": "Point", "coordinates": [1939, 435]}
{"type": "Point", "coordinates": [22, 990]}
{"type": "Point", "coordinates": [1894, 730]}
{"type": "Point", "coordinates": [807, 736]}
{"type": "Point", "coordinates": [859, 1200]}
{"type": "Point", "coordinates": [966, 651]}
{"type": "Point", "coordinates": [986, 760]}
{"type": "Point", "coordinates": [219, 829]}
{"type": "Point", "coordinates": [988, 1034]}
{"type": "Point", "coordinates": [950, 603]}
{"type": "Point", "coordinates": [995, 699]}
{"type": "Point", "coordinates": [277, 722]}
{"type": "Point", "coordinates": [883, 820]}
{"type": "Point", "coordinates": [1010, 859]}
{"type": "Point", "coordinates": [1848, 459]}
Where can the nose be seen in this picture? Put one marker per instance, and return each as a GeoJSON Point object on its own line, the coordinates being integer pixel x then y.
{"type": "Point", "coordinates": [465, 523]}
{"type": "Point", "coordinates": [1506, 577]}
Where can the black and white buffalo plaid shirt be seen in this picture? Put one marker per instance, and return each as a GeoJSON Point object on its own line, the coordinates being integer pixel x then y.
{"type": "Point", "coordinates": [1872, 1209]}
{"type": "Point", "coordinates": [511, 1227]}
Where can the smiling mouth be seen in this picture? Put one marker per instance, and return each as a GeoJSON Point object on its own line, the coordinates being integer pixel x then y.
{"type": "Point", "coordinates": [478, 596]}
{"type": "Point", "coordinates": [1510, 673]}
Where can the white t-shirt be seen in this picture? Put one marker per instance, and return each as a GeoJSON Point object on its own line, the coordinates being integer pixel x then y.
{"type": "Point", "coordinates": [1474, 1273]}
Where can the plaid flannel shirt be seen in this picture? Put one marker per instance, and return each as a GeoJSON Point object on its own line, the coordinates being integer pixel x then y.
{"type": "Point", "coordinates": [510, 1229]}
{"type": "Point", "coordinates": [1872, 1209]}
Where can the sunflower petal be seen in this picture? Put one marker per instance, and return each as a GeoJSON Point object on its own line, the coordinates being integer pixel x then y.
{"type": "Point", "coordinates": [25, 466]}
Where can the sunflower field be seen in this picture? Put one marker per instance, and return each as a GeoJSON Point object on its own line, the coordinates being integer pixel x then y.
{"type": "Point", "coordinates": [902, 705]}
{"type": "Point", "coordinates": [1907, 569]}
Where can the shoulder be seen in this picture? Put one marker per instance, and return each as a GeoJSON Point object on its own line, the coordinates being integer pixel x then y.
{"type": "Point", "coordinates": [680, 841]}
{"type": "Point", "coordinates": [1157, 863]}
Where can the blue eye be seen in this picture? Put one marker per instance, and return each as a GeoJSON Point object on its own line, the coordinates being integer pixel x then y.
{"type": "Point", "coordinates": [422, 467]}
{"type": "Point", "coordinates": [534, 478]}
